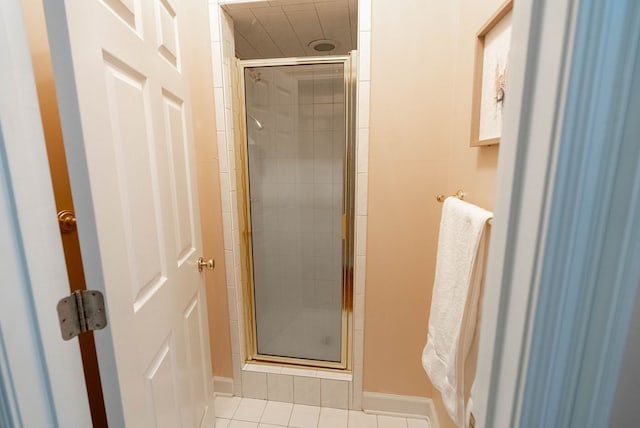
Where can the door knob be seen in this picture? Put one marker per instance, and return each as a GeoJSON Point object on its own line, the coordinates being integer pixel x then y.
{"type": "Point", "coordinates": [67, 221]}
{"type": "Point", "coordinates": [205, 264]}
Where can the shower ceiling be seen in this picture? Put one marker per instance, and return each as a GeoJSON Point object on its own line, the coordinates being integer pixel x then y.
{"type": "Point", "coordinates": [278, 29]}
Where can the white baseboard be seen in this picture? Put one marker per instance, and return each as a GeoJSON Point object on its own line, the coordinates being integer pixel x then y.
{"type": "Point", "coordinates": [400, 405]}
{"type": "Point", "coordinates": [222, 385]}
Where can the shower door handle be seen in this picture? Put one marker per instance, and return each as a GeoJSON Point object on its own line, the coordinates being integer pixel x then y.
{"type": "Point", "coordinates": [208, 264]}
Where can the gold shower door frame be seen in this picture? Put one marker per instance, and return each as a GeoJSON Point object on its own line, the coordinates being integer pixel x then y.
{"type": "Point", "coordinates": [348, 216]}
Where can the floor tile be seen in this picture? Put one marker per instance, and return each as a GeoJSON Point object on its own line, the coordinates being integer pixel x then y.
{"type": "Point", "coordinates": [236, 412]}
{"type": "Point", "coordinates": [226, 406]}
{"type": "Point", "coordinates": [276, 413]}
{"type": "Point", "coordinates": [418, 423]}
{"type": "Point", "coordinates": [391, 422]}
{"type": "Point", "coordinates": [304, 416]}
{"type": "Point", "coordinates": [362, 420]}
{"type": "Point", "coordinates": [333, 418]}
{"type": "Point", "coordinates": [249, 410]}
{"type": "Point", "coordinates": [222, 423]}
{"type": "Point", "coordinates": [243, 424]}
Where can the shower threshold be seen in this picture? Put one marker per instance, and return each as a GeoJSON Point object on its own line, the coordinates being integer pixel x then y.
{"type": "Point", "coordinates": [333, 374]}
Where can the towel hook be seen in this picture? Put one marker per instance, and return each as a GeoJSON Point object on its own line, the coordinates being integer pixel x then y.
{"type": "Point", "coordinates": [459, 194]}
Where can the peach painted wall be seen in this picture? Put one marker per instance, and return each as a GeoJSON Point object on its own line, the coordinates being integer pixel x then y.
{"type": "Point", "coordinates": [472, 169]}
{"type": "Point", "coordinates": [197, 58]}
{"type": "Point", "coordinates": [421, 81]}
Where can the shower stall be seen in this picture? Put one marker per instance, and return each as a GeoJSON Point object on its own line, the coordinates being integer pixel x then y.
{"type": "Point", "coordinates": [297, 162]}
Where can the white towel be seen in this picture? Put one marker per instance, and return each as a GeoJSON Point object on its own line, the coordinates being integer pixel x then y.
{"type": "Point", "coordinates": [454, 304]}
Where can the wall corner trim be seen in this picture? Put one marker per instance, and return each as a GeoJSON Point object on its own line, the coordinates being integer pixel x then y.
{"type": "Point", "coordinates": [400, 405]}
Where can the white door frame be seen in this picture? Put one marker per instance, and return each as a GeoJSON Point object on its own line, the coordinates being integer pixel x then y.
{"type": "Point", "coordinates": [589, 272]}
{"type": "Point", "coordinates": [41, 375]}
{"type": "Point", "coordinates": [541, 41]}
{"type": "Point", "coordinates": [569, 57]}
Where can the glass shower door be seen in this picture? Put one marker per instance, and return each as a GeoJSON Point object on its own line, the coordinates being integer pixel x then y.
{"type": "Point", "coordinates": [296, 145]}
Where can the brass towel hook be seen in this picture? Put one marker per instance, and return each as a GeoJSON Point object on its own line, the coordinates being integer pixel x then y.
{"type": "Point", "coordinates": [459, 194]}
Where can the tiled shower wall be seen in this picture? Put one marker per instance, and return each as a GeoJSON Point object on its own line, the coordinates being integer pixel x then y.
{"type": "Point", "coordinates": [362, 183]}
{"type": "Point", "coordinates": [223, 56]}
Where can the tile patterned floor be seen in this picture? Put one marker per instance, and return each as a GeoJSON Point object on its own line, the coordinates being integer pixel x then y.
{"type": "Point", "coordinates": [237, 412]}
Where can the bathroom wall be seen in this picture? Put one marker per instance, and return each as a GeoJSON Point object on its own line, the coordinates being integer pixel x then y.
{"type": "Point", "coordinates": [471, 169]}
{"type": "Point", "coordinates": [421, 78]}
{"type": "Point", "coordinates": [227, 107]}
{"type": "Point", "coordinates": [422, 56]}
{"type": "Point", "coordinates": [197, 57]}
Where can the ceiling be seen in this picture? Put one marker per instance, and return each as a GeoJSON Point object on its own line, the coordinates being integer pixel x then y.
{"type": "Point", "coordinates": [284, 28]}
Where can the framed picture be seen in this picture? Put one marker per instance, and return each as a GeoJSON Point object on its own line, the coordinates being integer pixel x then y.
{"type": "Point", "coordinates": [490, 77]}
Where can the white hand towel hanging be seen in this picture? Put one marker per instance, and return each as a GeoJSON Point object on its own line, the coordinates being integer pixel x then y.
{"type": "Point", "coordinates": [454, 305]}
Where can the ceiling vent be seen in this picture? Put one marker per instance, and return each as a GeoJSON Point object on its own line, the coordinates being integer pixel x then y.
{"type": "Point", "coordinates": [323, 45]}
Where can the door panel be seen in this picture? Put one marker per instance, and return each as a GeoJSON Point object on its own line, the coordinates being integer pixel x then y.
{"type": "Point", "coordinates": [195, 339]}
{"type": "Point", "coordinates": [181, 190]}
{"type": "Point", "coordinates": [133, 125]}
{"type": "Point", "coordinates": [167, 29]}
{"type": "Point", "coordinates": [136, 175]}
{"type": "Point", "coordinates": [126, 10]}
{"type": "Point", "coordinates": [161, 387]}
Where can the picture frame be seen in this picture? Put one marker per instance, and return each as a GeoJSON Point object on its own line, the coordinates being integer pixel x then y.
{"type": "Point", "coordinates": [490, 77]}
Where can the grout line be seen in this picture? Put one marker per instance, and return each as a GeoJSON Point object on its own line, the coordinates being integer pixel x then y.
{"type": "Point", "coordinates": [290, 414]}
{"type": "Point", "coordinates": [267, 32]}
{"type": "Point", "coordinates": [315, 9]}
{"type": "Point", "coordinates": [403, 419]}
{"type": "Point", "coordinates": [235, 409]}
{"type": "Point", "coordinates": [263, 410]}
{"type": "Point", "coordinates": [304, 46]}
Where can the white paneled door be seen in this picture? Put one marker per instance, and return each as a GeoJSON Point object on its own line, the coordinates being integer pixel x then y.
{"type": "Point", "coordinates": [127, 127]}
